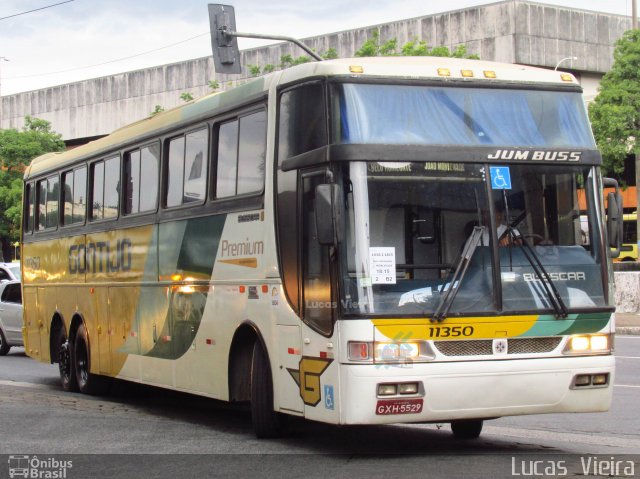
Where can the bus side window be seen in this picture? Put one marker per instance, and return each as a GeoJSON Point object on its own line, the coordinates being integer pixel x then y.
{"type": "Point", "coordinates": [302, 125]}
{"type": "Point", "coordinates": [73, 195]}
{"type": "Point", "coordinates": [242, 146]}
{"type": "Point", "coordinates": [30, 194]}
{"type": "Point", "coordinates": [141, 168]}
{"type": "Point", "coordinates": [187, 168]}
{"type": "Point", "coordinates": [48, 203]}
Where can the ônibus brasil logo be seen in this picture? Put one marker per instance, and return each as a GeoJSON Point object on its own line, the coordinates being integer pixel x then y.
{"type": "Point", "coordinates": [36, 468]}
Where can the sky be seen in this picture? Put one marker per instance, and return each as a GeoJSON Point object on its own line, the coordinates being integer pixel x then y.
{"type": "Point", "coordinates": [85, 39]}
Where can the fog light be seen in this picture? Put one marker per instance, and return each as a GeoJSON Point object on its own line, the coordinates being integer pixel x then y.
{"type": "Point", "coordinates": [387, 389]}
{"type": "Point", "coordinates": [583, 380]}
{"type": "Point", "coordinates": [600, 379]}
{"type": "Point", "coordinates": [408, 388]}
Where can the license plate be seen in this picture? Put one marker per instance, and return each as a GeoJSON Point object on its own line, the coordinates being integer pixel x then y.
{"type": "Point", "coordinates": [399, 406]}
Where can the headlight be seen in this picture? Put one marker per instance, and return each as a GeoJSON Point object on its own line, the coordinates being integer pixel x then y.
{"type": "Point", "coordinates": [390, 351]}
{"type": "Point", "coordinates": [588, 344]}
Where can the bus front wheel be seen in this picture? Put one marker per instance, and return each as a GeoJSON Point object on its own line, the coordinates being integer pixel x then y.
{"type": "Point", "coordinates": [267, 423]}
{"type": "Point", "coordinates": [466, 429]}
{"type": "Point", "coordinates": [87, 383]}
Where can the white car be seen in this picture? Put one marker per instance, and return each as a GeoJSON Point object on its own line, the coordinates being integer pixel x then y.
{"type": "Point", "coordinates": [9, 272]}
{"type": "Point", "coordinates": [10, 315]}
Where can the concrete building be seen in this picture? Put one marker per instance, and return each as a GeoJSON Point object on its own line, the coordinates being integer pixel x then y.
{"type": "Point", "coordinates": [513, 31]}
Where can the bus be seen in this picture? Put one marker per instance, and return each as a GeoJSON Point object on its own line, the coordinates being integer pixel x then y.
{"type": "Point", "coordinates": [353, 241]}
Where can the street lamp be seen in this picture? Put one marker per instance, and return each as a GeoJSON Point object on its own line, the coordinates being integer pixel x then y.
{"type": "Point", "coordinates": [567, 58]}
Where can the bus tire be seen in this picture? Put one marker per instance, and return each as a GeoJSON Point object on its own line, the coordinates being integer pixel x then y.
{"type": "Point", "coordinates": [467, 429]}
{"type": "Point", "coordinates": [65, 362]}
{"type": "Point", "coordinates": [87, 383]}
{"type": "Point", "coordinates": [267, 423]}
{"type": "Point", "coordinates": [4, 346]}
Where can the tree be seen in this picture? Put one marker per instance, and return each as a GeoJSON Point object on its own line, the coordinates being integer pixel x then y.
{"type": "Point", "coordinates": [615, 113]}
{"type": "Point", "coordinates": [17, 149]}
{"type": "Point", "coordinates": [417, 48]}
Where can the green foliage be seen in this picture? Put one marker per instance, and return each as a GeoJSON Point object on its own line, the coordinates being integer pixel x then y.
{"type": "Point", "coordinates": [615, 113]}
{"type": "Point", "coordinates": [372, 48]}
{"type": "Point", "coordinates": [289, 61]}
{"type": "Point", "coordinates": [417, 48]}
{"type": "Point", "coordinates": [268, 68]}
{"type": "Point", "coordinates": [186, 96]}
{"type": "Point", "coordinates": [254, 70]}
{"type": "Point", "coordinates": [330, 54]}
{"type": "Point", "coordinates": [17, 149]}
{"type": "Point", "coordinates": [214, 85]}
{"type": "Point", "coordinates": [156, 110]}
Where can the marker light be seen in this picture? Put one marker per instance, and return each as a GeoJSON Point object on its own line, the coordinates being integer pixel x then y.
{"type": "Point", "coordinates": [356, 69]}
{"type": "Point", "coordinates": [566, 77]}
{"type": "Point", "coordinates": [467, 73]}
{"type": "Point", "coordinates": [444, 72]}
{"type": "Point", "coordinates": [489, 74]}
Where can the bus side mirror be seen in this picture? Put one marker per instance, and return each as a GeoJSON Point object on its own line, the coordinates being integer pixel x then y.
{"type": "Point", "coordinates": [226, 56]}
{"type": "Point", "coordinates": [329, 209]}
{"type": "Point", "coordinates": [614, 217]}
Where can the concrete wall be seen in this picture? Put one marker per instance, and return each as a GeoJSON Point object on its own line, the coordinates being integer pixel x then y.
{"type": "Point", "coordinates": [513, 31]}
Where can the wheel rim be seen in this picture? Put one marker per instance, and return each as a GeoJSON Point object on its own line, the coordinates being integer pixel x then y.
{"type": "Point", "coordinates": [82, 362]}
{"type": "Point", "coordinates": [64, 360]}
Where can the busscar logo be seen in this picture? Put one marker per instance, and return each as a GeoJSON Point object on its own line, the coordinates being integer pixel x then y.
{"type": "Point", "coordinates": [535, 155]}
{"type": "Point", "coordinates": [561, 276]}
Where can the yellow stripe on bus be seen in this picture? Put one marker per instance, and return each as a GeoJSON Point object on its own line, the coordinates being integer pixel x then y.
{"type": "Point", "coordinates": [455, 328]}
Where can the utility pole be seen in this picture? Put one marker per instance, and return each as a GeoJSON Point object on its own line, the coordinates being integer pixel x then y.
{"type": "Point", "coordinates": [2, 59]}
{"type": "Point", "coordinates": [634, 14]}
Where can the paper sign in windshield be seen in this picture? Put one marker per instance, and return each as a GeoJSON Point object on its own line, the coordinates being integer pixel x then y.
{"type": "Point", "coordinates": [382, 265]}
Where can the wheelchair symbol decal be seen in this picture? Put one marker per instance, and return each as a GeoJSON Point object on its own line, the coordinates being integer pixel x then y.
{"type": "Point", "coordinates": [500, 177]}
{"type": "Point", "coordinates": [328, 397]}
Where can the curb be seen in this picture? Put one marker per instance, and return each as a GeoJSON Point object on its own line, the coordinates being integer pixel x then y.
{"type": "Point", "coordinates": [628, 330]}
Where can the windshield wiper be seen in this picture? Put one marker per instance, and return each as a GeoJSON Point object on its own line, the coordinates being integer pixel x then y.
{"type": "Point", "coordinates": [547, 283]}
{"type": "Point", "coordinates": [461, 269]}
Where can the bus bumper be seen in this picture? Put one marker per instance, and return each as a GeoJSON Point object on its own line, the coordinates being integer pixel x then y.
{"type": "Point", "coordinates": [474, 389]}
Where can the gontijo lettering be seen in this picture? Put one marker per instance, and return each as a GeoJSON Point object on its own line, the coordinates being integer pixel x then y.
{"type": "Point", "coordinates": [100, 257]}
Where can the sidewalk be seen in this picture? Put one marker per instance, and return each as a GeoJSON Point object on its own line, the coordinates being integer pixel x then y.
{"type": "Point", "coordinates": [627, 323]}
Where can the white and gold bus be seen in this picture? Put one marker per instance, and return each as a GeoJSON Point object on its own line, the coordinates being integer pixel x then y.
{"type": "Point", "coordinates": [354, 241]}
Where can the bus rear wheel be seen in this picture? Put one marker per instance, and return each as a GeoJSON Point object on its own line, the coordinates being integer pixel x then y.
{"type": "Point", "coordinates": [467, 429]}
{"type": "Point", "coordinates": [267, 423]}
{"type": "Point", "coordinates": [65, 362]}
{"type": "Point", "coordinates": [87, 383]}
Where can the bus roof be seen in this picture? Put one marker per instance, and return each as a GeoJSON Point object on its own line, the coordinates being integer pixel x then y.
{"type": "Point", "coordinates": [413, 68]}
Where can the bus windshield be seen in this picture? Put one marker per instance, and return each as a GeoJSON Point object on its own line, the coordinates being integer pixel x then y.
{"type": "Point", "coordinates": [430, 115]}
{"type": "Point", "coordinates": [407, 225]}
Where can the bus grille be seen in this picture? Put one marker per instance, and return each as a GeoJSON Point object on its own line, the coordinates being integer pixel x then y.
{"type": "Point", "coordinates": [484, 347]}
